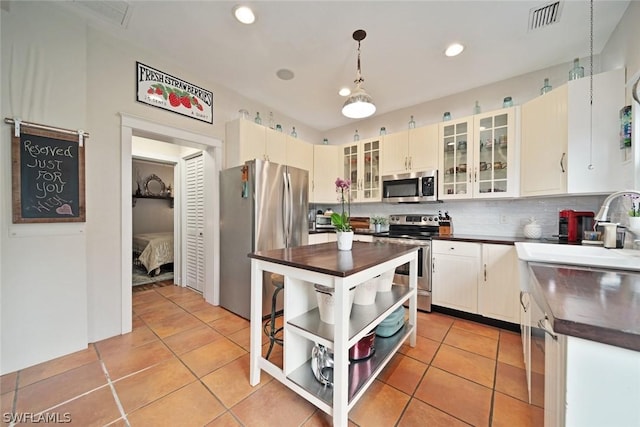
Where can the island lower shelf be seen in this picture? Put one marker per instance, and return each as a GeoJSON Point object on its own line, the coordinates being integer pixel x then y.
{"type": "Point", "coordinates": [361, 373]}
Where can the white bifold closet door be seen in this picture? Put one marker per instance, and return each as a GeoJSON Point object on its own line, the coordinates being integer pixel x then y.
{"type": "Point", "coordinates": [194, 215]}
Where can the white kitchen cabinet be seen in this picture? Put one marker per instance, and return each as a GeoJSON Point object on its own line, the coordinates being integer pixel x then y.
{"type": "Point", "coordinates": [455, 270]}
{"type": "Point", "coordinates": [299, 154]}
{"type": "Point", "coordinates": [362, 238]}
{"type": "Point", "coordinates": [479, 156]}
{"type": "Point", "coordinates": [317, 238]}
{"type": "Point", "coordinates": [412, 150]}
{"type": "Point", "coordinates": [566, 147]}
{"type": "Point", "coordinates": [476, 278]}
{"type": "Point", "coordinates": [275, 146]}
{"type": "Point", "coordinates": [499, 288]}
{"type": "Point", "coordinates": [361, 164]}
{"type": "Point", "coordinates": [246, 140]}
{"type": "Point", "coordinates": [326, 168]}
{"type": "Point", "coordinates": [543, 164]}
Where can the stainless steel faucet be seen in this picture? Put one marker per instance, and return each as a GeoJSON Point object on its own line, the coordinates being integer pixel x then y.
{"type": "Point", "coordinates": [603, 213]}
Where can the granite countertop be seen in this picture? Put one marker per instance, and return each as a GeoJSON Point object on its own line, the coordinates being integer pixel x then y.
{"type": "Point", "coordinates": [325, 258]}
{"type": "Point", "coordinates": [594, 304]}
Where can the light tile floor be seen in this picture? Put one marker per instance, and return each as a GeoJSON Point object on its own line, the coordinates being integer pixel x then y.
{"type": "Point", "coordinates": [186, 363]}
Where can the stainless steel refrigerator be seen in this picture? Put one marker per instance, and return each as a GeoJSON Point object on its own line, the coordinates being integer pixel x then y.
{"type": "Point", "coordinates": [263, 205]}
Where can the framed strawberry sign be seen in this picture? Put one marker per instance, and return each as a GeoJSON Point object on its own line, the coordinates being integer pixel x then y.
{"type": "Point", "coordinates": [162, 90]}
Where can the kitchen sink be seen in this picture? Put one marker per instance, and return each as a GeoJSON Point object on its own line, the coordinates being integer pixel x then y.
{"type": "Point", "coordinates": [591, 256]}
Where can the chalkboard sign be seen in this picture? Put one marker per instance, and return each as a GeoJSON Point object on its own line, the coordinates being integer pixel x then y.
{"type": "Point", "coordinates": [47, 177]}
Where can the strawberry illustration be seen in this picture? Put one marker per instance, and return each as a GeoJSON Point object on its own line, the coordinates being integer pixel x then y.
{"type": "Point", "coordinates": [199, 107]}
{"type": "Point", "coordinates": [159, 91]}
{"type": "Point", "coordinates": [186, 102]}
{"type": "Point", "coordinates": [174, 100]}
{"type": "Point", "coordinates": [150, 91]}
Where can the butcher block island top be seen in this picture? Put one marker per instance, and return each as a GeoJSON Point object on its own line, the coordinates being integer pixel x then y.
{"type": "Point", "coordinates": [324, 264]}
{"type": "Point", "coordinates": [326, 258]}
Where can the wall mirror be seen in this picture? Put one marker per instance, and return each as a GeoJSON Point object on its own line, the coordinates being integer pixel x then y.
{"type": "Point", "coordinates": [154, 186]}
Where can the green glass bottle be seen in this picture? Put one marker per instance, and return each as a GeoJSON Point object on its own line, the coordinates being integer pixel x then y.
{"type": "Point", "coordinates": [577, 72]}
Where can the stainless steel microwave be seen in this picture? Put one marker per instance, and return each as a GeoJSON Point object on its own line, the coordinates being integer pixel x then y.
{"type": "Point", "coordinates": [413, 187]}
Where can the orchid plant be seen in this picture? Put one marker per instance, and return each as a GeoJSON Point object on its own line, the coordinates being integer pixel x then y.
{"type": "Point", "coordinates": [341, 221]}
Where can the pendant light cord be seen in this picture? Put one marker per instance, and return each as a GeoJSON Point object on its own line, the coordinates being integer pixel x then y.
{"type": "Point", "coordinates": [359, 78]}
{"type": "Point", "coordinates": [590, 166]}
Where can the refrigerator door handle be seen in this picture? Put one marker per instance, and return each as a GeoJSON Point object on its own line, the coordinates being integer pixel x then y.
{"type": "Point", "coordinates": [289, 202]}
{"type": "Point", "coordinates": [287, 214]}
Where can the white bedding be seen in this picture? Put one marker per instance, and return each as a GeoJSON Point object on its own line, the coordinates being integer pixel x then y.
{"type": "Point", "coordinates": [155, 249]}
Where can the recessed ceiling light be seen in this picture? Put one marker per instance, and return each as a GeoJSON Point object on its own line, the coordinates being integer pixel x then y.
{"type": "Point", "coordinates": [345, 91]}
{"type": "Point", "coordinates": [284, 74]}
{"type": "Point", "coordinates": [454, 49]}
{"type": "Point", "coordinates": [244, 14]}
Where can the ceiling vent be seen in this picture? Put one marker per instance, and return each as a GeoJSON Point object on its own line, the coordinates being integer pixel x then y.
{"type": "Point", "coordinates": [115, 12]}
{"type": "Point", "coordinates": [545, 15]}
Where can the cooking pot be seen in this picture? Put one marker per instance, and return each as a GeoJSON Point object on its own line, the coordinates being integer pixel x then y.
{"type": "Point", "coordinates": [364, 348]}
{"type": "Point", "coordinates": [322, 364]}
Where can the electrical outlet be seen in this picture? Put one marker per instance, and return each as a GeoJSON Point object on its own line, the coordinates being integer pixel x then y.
{"type": "Point", "coordinates": [504, 219]}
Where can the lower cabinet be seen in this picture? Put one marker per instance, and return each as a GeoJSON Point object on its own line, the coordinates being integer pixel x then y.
{"type": "Point", "coordinates": [477, 278]}
{"type": "Point", "coordinates": [314, 239]}
{"type": "Point", "coordinates": [581, 382]}
{"type": "Point", "coordinates": [455, 268]}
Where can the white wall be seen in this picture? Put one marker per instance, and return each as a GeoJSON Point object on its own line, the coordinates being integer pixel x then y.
{"type": "Point", "coordinates": [60, 283]}
{"type": "Point", "coordinates": [43, 285]}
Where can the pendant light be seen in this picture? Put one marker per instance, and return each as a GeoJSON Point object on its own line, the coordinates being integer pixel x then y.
{"type": "Point", "coordinates": [359, 104]}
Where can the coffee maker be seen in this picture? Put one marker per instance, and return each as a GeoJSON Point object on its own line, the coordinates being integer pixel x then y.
{"type": "Point", "coordinates": [572, 224]}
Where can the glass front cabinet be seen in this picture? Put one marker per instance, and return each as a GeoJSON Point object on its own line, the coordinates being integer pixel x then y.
{"type": "Point", "coordinates": [362, 166]}
{"type": "Point", "coordinates": [479, 156]}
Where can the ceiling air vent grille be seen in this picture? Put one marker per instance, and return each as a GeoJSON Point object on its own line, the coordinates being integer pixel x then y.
{"type": "Point", "coordinates": [115, 12]}
{"type": "Point", "coordinates": [544, 16]}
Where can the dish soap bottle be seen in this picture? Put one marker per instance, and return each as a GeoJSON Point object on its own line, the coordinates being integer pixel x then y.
{"type": "Point", "coordinates": [533, 230]}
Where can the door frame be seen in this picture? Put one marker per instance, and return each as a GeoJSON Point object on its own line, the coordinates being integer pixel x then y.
{"type": "Point", "coordinates": [212, 152]}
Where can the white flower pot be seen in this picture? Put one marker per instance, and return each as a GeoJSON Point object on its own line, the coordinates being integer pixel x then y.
{"type": "Point", "coordinates": [385, 281]}
{"type": "Point", "coordinates": [366, 292]}
{"type": "Point", "coordinates": [344, 240]}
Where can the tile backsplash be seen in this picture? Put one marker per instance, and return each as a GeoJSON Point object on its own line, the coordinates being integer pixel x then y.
{"type": "Point", "coordinates": [497, 217]}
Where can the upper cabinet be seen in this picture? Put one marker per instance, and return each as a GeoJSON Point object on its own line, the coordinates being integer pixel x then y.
{"type": "Point", "coordinates": [412, 150]}
{"type": "Point", "coordinates": [543, 165]}
{"type": "Point", "coordinates": [361, 164]}
{"type": "Point", "coordinates": [569, 147]}
{"type": "Point", "coordinates": [246, 140]}
{"type": "Point", "coordinates": [478, 156]}
{"type": "Point", "coordinates": [326, 168]}
{"type": "Point", "coordinates": [300, 155]}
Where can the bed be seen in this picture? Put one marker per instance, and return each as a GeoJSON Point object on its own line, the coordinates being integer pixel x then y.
{"type": "Point", "coordinates": [153, 250]}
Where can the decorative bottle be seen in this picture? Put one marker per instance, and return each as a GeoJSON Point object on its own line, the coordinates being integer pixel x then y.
{"type": "Point", "coordinates": [356, 137]}
{"type": "Point", "coordinates": [294, 133]}
{"type": "Point", "coordinates": [271, 121]}
{"type": "Point", "coordinates": [446, 116]}
{"type": "Point", "coordinates": [476, 108]}
{"type": "Point", "coordinates": [546, 88]}
{"type": "Point", "coordinates": [412, 123]}
{"type": "Point", "coordinates": [383, 130]}
{"type": "Point", "coordinates": [577, 72]}
{"type": "Point", "coordinates": [507, 102]}
{"type": "Point", "coordinates": [258, 120]}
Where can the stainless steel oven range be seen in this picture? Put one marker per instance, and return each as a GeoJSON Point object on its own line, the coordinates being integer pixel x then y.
{"type": "Point", "coordinates": [417, 230]}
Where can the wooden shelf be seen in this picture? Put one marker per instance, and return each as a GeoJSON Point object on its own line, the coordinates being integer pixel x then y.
{"type": "Point", "coordinates": [169, 198]}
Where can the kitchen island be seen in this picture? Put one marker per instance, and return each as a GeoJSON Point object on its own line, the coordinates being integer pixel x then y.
{"type": "Point", "coordinates": [591, 322]}
{"type": "Point", "coordinates": [342, 270]}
